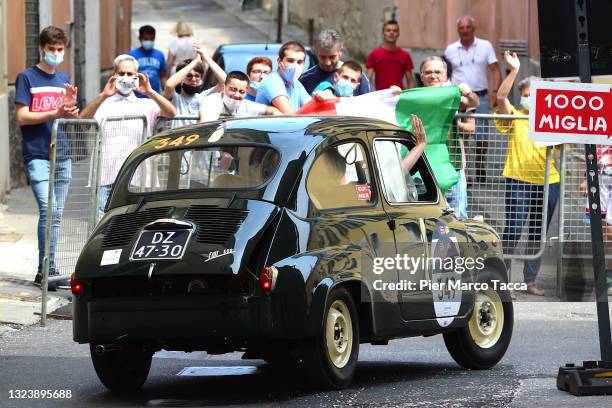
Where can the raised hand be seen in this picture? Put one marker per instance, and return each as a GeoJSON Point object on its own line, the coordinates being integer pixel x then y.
{"type": "Point", "coordinates": [144, 84]}
{"type": "Point", "coordinates": [109, 88]}
{"type": "Point", "coordinates": [198, 46]}
{"type": "Point", "coordinates": [418, 131]}
{"type": "Point", "coordinates": [70, 96]}
{"type": "Point", "coordinates": [512, 60]}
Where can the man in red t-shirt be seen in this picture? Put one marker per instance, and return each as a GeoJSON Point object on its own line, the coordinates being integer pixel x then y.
{"type": "Point", "coordinates": [388, 63]}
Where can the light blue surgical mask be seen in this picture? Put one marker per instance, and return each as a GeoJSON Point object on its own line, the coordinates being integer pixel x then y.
{"type": "Point", "coordinates": [292, 72]}
{"type": "Point", "coordinates": [344, 88]}
{"type": "Point", "coordinates": [525, 102]}
{"type": "Point", "coordinates": [254, 85]}
{"type": "Point", "coordinates": [53, 60]}
{"type": "Point", "coordinates": [147, 44]}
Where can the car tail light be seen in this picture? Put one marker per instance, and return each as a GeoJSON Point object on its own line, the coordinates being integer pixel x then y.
{"type": "Point", "coordinates": [267, 278]}
{"type": "Point", "coordinates": [76, 286]}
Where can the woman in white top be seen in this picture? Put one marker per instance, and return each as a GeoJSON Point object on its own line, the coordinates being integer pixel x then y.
{"type": "Point", "coordinates": [181, 48]}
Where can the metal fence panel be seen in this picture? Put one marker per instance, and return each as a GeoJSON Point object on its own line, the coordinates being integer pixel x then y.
{"type": "Point", "coordinates": [69, 220]}
{"type": "Point", "coordinates": [514, 202]}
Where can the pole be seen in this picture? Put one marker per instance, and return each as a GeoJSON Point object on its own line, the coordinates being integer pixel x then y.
{"type": "Point", "coordinates": [279, 22]}
{"type": "Point", "coordinates": [603, 316]}
{"type": "Point", "coordinates": [311, 31]}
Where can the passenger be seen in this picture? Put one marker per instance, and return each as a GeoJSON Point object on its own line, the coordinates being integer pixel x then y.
{"type": "Point", "coordinates": [258, 69]}
{"type": "Point", "coordinates": [231, 101]}
{"type": "Point", "coordinates": [281, 88]}
{"type": "Point", "coordinates": [524, 171]}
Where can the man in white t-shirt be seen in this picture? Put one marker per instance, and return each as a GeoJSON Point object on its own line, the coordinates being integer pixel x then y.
{"type": "Point", "coordinates": [120, 138]}
{"type": "Point", "coordinates": [231, 101]}
{"type": "Point", "coordinates": [471, 57]}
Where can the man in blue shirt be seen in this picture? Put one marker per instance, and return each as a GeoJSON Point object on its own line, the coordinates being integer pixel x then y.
{"type": "Point", "coordinates": [281, 88]}
{"type": "Point", "coordinates": [42, 94]}
{"type": "Point", "coordinates": [329, 46]}
{"type": "Point", "coordinates": [151, 61]}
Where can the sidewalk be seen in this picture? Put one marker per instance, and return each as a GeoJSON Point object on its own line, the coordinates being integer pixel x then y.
{"type": "Point", "coordinates": [20, 300]}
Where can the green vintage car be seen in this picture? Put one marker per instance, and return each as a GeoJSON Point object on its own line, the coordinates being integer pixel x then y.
{"type": "Point", "coordinates": [293, 239]}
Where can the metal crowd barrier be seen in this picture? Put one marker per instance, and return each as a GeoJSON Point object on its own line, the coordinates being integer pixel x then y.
{"type": "Point", "coordinates": [574, 265]}
{"type": "Point", "coordinates": [70, 217]}
{"type": "Point", "coordinates": [84, 160]}
{"type": "Point", "coordinates": [487, 186]}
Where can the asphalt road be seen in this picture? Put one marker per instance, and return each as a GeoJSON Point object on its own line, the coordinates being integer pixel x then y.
{"type": "Point", "coordinates": [415, 372]}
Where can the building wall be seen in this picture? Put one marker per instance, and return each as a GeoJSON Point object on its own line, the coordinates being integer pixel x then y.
{"type": "Point", "coordinates": [16, 37]}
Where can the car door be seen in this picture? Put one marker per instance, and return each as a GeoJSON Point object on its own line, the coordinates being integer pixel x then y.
{"type": "Point", "coordinates": [426, 233]}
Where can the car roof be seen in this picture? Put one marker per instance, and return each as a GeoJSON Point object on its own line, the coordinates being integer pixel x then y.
{"type": "Point", "coordinates": [250, 47]}
{"type": "Point", "coordinates": [281, 131]}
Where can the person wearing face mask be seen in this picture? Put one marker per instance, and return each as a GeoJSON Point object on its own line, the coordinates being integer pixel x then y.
{"type": "Point", "coordinates": [258, 69]}
{"type": "Point", "coordinates": [43, 94]}
{"type": "Point", "coordinates": [344, 81]}
{"type": "Point", "coordinates": [232, 100]}
{"type": "Point", "coordinates": [189, 78]}
{"type": "Point", "coordinates": [151, 61]}
{"type": "Point", "coordinates": [120, 138]}
{"type": "Point", "coordinates": [329, 45]}
{"type": "Point", "coordinates": [524, 172]}
{"type": "Point", "coordinates": [281, 88]}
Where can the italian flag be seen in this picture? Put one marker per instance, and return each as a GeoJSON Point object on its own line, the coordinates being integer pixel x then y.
{"type": "Point", "coordinates": [436, 106]}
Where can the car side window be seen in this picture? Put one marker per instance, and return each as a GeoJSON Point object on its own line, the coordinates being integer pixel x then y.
{"type": "Point", "coordinates": [340, 178]}
{"type": "Point", "coordinates": [402, 184]}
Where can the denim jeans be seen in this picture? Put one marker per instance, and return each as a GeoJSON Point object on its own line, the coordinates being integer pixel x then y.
{"type": "Point", "coordinates": [38, 173]}
{"type": "Point", "coordinates": [526, 200]}
{"type": "Point", "coordinates": [456, 196]}
{"type": "Point", "coordinates": [482, 125]}
{"type": "Point", "coordinates": [103, 196]}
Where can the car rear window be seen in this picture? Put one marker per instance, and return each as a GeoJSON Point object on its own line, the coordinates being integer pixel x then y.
{"type": "Point", "coordinates": [224, 167]}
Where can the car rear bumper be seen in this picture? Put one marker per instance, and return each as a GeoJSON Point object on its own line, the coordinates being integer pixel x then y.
{"type": "Point", "coordinates": [173, 319]}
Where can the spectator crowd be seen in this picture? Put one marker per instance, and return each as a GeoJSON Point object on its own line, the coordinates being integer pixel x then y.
{"type": "Point", "coordinates": [145, 82]}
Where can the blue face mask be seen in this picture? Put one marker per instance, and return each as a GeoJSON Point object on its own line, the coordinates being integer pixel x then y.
{"type": "Point", "coordinates": [344, 88]}
{"type": "Point", "coordinates": [292, 73]}
{"type": "Point", "coordinates": [53, 60]}
{"type": "Point", "coordinates": [148, 44]}
{"type": "Point", "coordinates": [525, 102]}
{"type": "Point", "coordinates": [254, 85]}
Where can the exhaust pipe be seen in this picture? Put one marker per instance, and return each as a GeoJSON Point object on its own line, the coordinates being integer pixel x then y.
{"type": "Point", "coordinates": [101, 349]}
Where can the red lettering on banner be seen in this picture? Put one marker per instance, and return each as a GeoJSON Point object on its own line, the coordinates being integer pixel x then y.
{"type": "Point", "coordinates": [573, 111]}
{"type": "Point", "coordinates": [363, 192]}
{"type": "Point", "coordinates": [46, 101]}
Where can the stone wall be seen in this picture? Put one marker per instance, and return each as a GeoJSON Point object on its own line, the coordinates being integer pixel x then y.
{"type": "Point", "coordinates": [359, 21]}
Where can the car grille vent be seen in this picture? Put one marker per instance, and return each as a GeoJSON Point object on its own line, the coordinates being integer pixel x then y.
{"type": "Point", "coordinates": [122, 227]}
{"type": "Point", "coordinates": [215, 225]}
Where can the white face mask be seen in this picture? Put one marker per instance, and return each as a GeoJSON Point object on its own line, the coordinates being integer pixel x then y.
{"type": "Point", "coordinates": [125, 85]}
{"type": "Point", "coordinates": [231, 104]}
{"type": "Point", "coordinates": [525, 102]}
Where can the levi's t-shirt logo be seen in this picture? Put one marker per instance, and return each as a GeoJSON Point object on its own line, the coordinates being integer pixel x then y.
{"type": "Point", "coordinates": [46, 98]}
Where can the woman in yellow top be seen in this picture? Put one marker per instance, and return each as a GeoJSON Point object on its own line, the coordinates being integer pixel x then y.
{"type": "Point", "coordinates": [524, 172]}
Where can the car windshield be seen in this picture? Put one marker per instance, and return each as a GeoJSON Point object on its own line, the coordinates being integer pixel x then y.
{"type": "Point", "coordinates": [223, 167]}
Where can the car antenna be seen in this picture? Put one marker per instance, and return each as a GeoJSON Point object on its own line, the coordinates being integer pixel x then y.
{"type": "Point", "coordinates": [268, 38]}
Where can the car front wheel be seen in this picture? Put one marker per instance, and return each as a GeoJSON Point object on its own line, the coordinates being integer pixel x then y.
{"type": "Point", "coordinates": [485, 339]}
{"type": "Point", "coordinates": [122, 370]}
{"type": "Point", "coordinates": [330, 359]}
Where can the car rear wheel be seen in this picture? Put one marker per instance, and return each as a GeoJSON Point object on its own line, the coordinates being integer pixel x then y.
{"type": "Point", "coordinates": [330, 359]}
{"type": "Point", "coordinates": [485, 339]}
{"type": "Point", "coordinates": [122, 370]}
